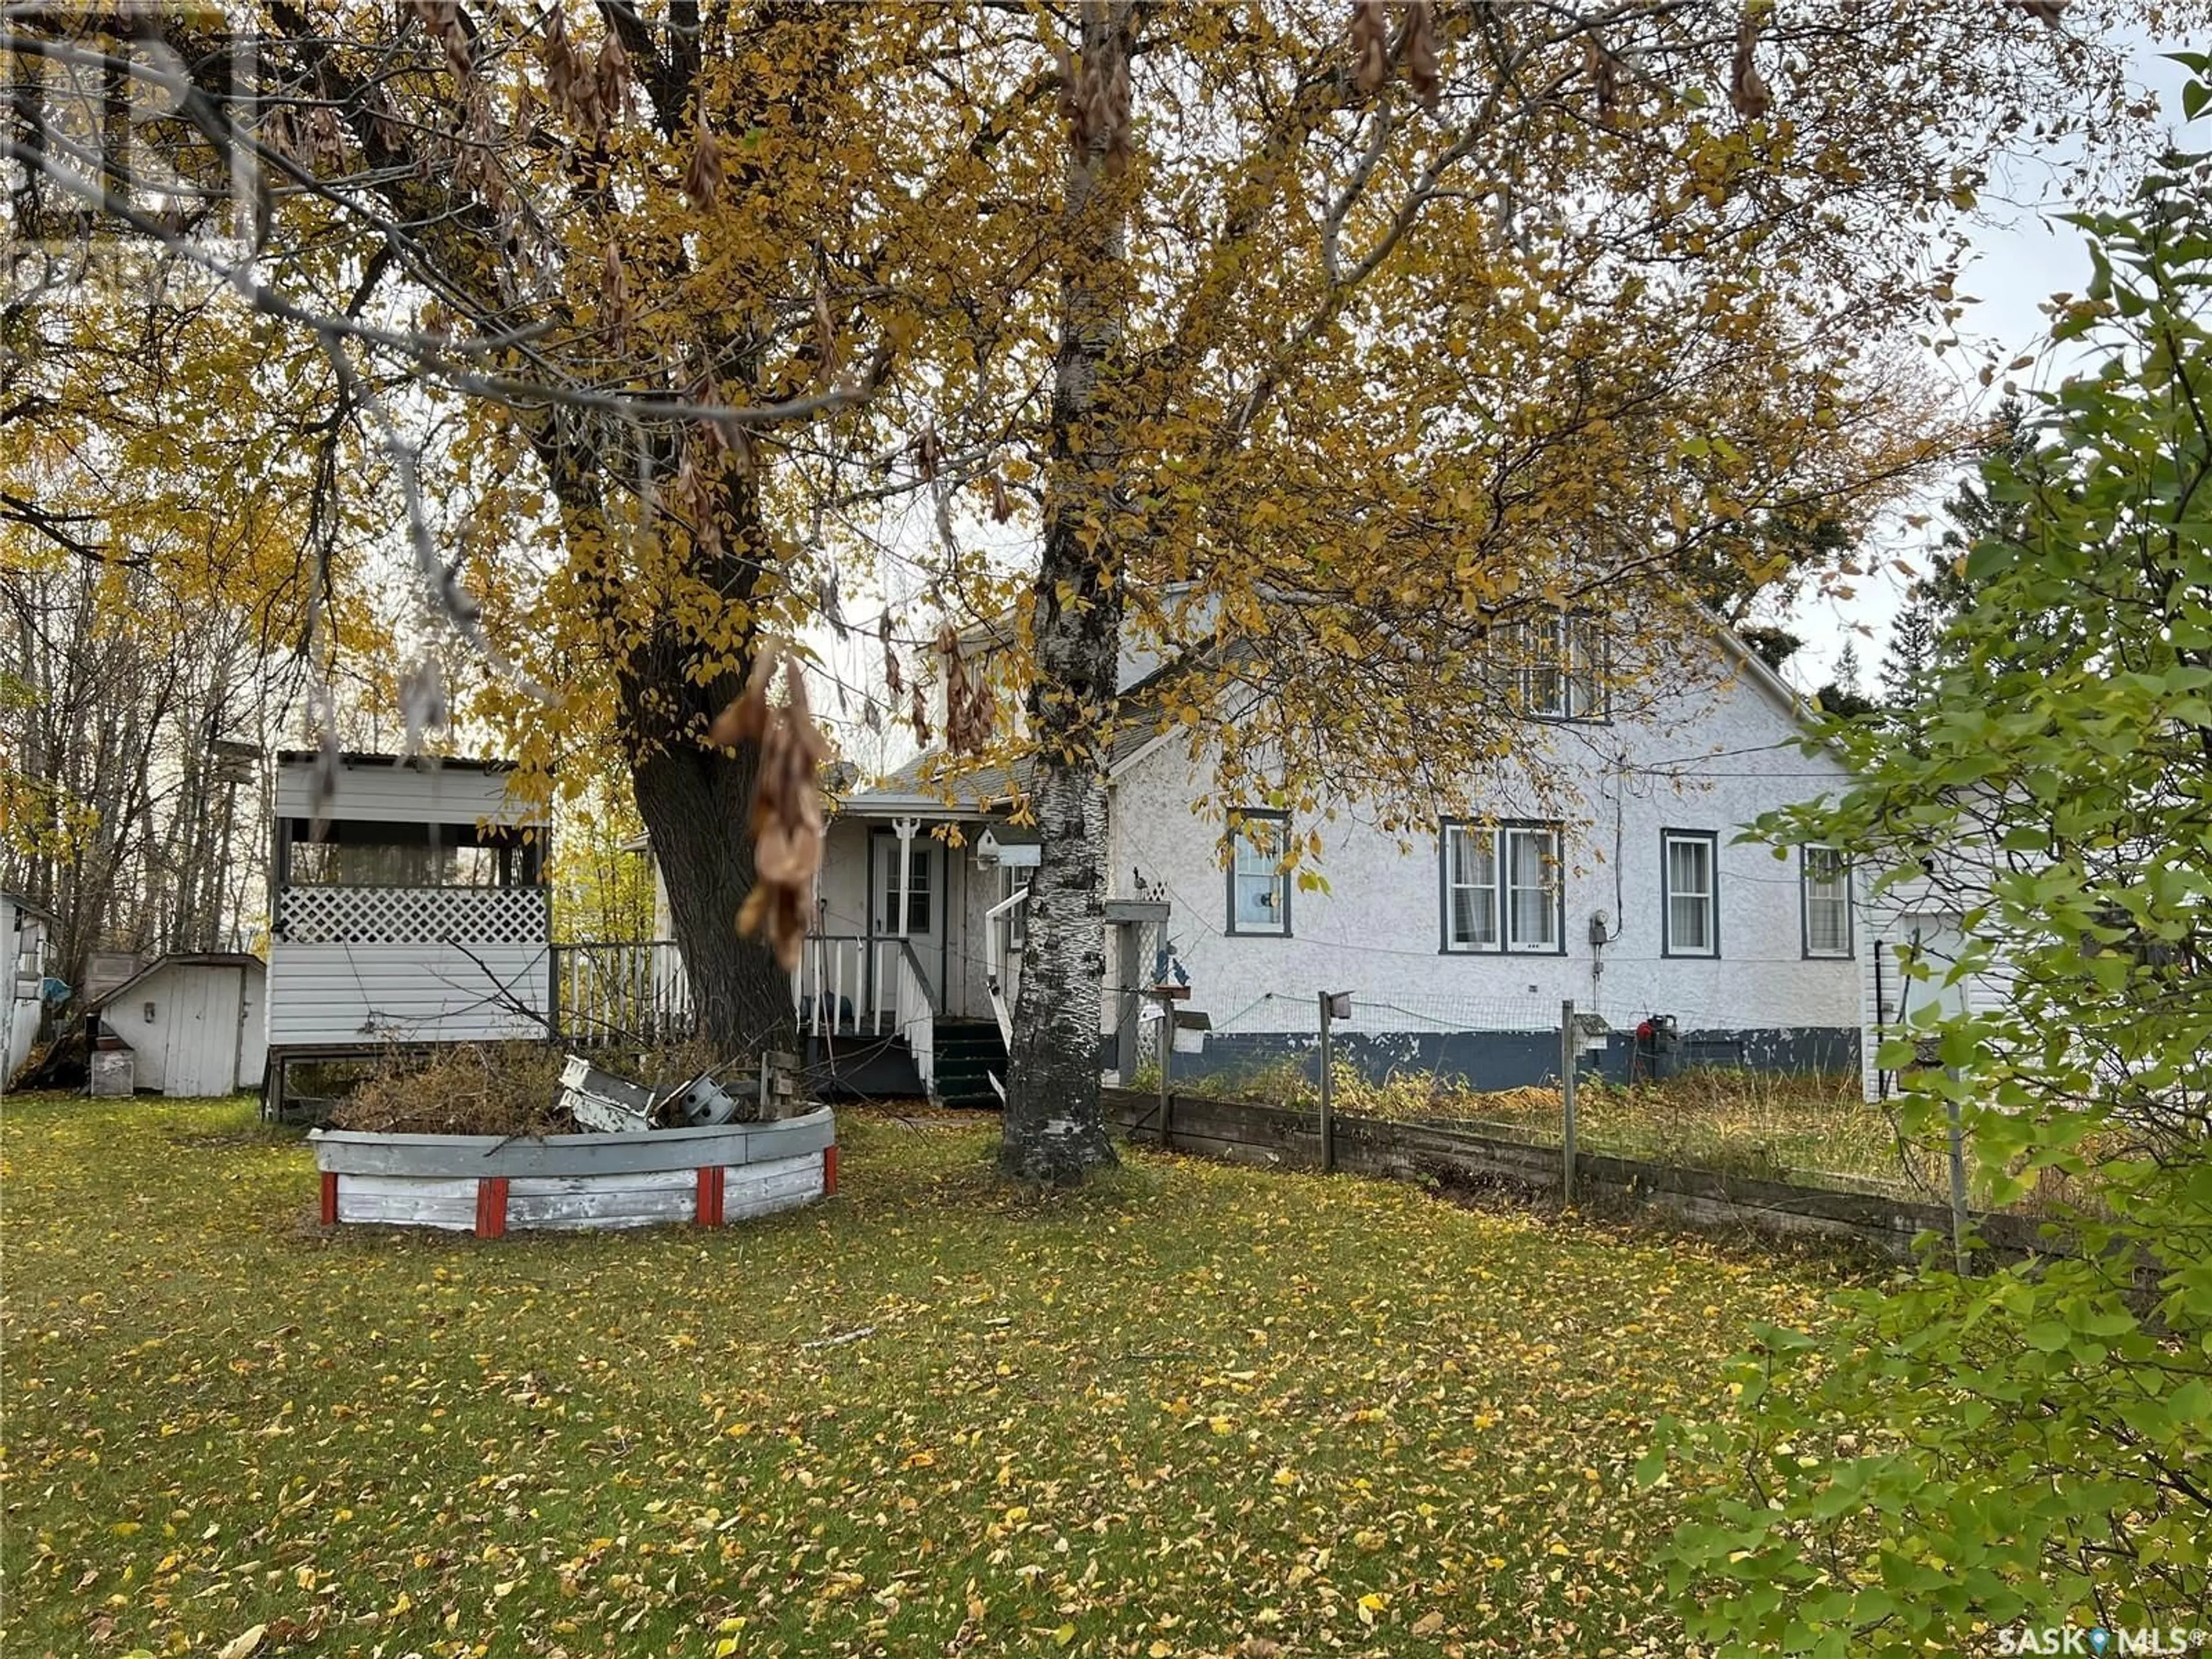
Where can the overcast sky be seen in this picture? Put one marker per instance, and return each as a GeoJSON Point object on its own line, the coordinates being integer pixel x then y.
{"type": "Point", "coordinates": [2021, 258]}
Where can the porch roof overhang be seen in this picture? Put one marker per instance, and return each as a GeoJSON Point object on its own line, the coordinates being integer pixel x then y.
{"type": "Point", "coordinates": [889, 804]}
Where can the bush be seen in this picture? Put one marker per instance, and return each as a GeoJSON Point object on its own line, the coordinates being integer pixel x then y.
{"type": "Point", "coordinates": [1955, 1458]}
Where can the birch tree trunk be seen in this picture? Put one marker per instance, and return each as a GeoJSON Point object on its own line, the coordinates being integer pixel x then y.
{"type": "Point", "coordinates": [1055, 1130]}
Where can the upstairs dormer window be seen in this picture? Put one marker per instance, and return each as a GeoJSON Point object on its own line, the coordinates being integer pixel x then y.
{"type": "Point", "coordinates": [1554, 666]}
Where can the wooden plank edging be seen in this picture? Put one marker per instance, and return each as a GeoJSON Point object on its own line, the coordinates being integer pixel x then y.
{"type": "Point", "coordinates": [1379, 1147]}
{"type": "Point", "coordinates": [353, 1151]}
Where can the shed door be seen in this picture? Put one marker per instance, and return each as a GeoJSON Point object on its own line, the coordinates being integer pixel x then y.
{"type": "Point", "coordinates": [204, 1033]}
{"type": "Point", "coordinates": [1936, 941]}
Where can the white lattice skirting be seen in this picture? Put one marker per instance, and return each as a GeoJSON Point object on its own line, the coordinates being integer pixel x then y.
{"type": "Point", "coordinates": [414, 915]}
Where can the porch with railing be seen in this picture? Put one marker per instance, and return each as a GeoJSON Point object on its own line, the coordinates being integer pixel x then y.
{"type": "Point", "coordinates": [864, 990]}
{"type": "Point", "coordinates": [632, 992]}
{"type": "Point", "coordinates": [860, 1005]}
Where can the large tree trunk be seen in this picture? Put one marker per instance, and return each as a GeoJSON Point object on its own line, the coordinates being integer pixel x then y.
{"type": "Point", "coordinates": [694, 802]}
{"type": "Point", "coordinates": [1055, 1130]}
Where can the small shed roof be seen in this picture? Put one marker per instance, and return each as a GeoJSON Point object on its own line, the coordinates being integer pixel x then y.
{"type": "Point", "coordinates": [178, 959]}
{"type": "Point", "coordinates": [31, 905]}
{"type": "Point", "coordinates": [420, 763]}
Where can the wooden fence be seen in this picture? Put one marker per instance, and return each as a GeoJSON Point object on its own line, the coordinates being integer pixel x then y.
{"type": "Point", "coordinates": [1457, 1157]}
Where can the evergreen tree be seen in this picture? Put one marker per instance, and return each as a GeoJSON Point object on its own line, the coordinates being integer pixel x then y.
{"type": "Point", "coordinates": [1842, 695]}
{"type": "Point", "coordinates": [1914, 641]}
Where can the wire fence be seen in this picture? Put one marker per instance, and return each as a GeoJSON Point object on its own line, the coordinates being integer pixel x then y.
{"type": "Point", "coordinates": [1645, 1085]}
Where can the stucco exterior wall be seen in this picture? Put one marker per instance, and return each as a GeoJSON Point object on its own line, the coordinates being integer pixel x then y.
{"type": "Point", "coordinates": [1709, 757]}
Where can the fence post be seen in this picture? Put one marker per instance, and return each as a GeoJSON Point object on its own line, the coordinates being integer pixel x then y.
{"type": "Point", "coordinates": [1328, 1099]}
{"type": "Point", "coordinates": [1166, 1061]}
{"type": "Point", "coordinates": [1957, 1185]}
{"type": "Point", "coordinates": [1567, 1101]}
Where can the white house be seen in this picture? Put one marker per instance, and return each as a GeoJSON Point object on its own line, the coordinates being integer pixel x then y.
{"type": "Point", "coordinates": [196, 1023]}
{"type": "Point", "coordinates": [23, 927]}
{"type": "Point", "coordinates": [1619, 884]}
{"type": "Point", "coordinates": [408, 906]}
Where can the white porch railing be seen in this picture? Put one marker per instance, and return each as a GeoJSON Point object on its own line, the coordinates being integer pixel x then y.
{"type": "Point", "coordinates": [622, 991]}
{"type": "Point", "coordinates": [852, 987]}
{"type": "Point", "coordinates": [917, 1020]}
{"type": "Point", "coordinates": [1002, 962]}
{"type": "Point", "coordinates": [835, 990]}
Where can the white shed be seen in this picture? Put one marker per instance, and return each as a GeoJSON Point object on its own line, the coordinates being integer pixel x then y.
{"type": "Point", "coordinates": [195, 1023]}
{"type": "Point", "coordinates": [23, 957]}
{"type": "Point", "coordinates": [1921, 921]}
{"type": "Point", "coordinates": [409, 906]}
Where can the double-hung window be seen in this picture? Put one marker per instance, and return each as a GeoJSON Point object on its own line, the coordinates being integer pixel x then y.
{"type": "Point", "coordinates": [1690, 909]}
{"type": "Point", "coordinates": [1259, 877]}
{"type": "Point", "coordinates": [1502, 888]}
{"type": "Point", "coordinates": [1827, 887]}
{"type": "Point", "coordinates": [1558, 667]}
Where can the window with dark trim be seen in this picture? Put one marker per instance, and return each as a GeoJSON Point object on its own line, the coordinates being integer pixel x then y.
{"type": "Point", "coordinates": [1826, 878]}
{"type": "Point", "coordinates": [1258, 879]}
{"type": "Point", "coordinates": [1502, 887]}
{"type": "Point", "coordinates": [1690, 893]}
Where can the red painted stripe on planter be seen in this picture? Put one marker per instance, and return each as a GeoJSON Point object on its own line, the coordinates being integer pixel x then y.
{"type": "Point", "coordinates": [711, 1177]}
{"type": "Point", "coordinates": [492, 1207]}
{"type": "Point", "coordinates": [829, 1172]}
{"type": "Point", "coordinates": [330, 1198]}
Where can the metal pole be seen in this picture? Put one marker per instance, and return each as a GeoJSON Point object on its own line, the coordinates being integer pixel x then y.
{"type": "Point", "coordinates": [1957, 1188]}
{"type": "Point", "coordinates": [1567, 1101]}
{"type": "Point", "coordinates": [1327, 1098]}
{"type": "Point", "coordinates": [1167, 1060]}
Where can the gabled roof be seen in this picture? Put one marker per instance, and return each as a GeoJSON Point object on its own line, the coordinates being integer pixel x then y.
{"type": "Point", "coordinates": [31, 905]}
{"type": "Point", "coordinates": [909, 789]}
{"type": "Point", "coordinates": [181, 959]}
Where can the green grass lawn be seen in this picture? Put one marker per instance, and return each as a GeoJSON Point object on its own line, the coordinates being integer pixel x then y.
{"type": "Point", "coordinates": [1195, 1410]}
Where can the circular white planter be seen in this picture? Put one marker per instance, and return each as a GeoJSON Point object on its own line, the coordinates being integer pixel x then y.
{"type": "Point", "coordinates": [485, 1184]}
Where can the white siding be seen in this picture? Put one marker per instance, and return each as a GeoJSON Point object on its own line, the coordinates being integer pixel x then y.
{"type": "Point", "coordinates": [1710, 759]}
{"type": "Point", "coordinates": [205, 1036]}
{"type": "Point", "coordinates": [254, 1046]}
{"type": "Point", "coordinates": [22, 935]}
{"type": "Point", "coordinates": [1906, 913]}
{"type": "Point", "coordinates": [413, 792]}
{"type": "Point", "coordinates": [365, 994]}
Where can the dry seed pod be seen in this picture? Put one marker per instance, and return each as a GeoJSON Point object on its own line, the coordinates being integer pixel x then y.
{"type": "Point", "coordinates": [1418, 52]}
{"type": "Point", "coordinates": [1746, 90]}
{"type": "Point", "coordinates": [920, 717]}
{"type": "Point", "coordinates": [1370, 38]}
{"type": "Point", "coordinates": [614, 78]}
{"type": "Point", "coordinates": [702, 177]}
{"type": "Point", "coordinates": [747, 713]}
{"type": "Point", "coordinates": [787, 816]}
{"type": "Point", "coordinates": [615, 298]}
{"type": "Point", "coordinates": [1605, 79]}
